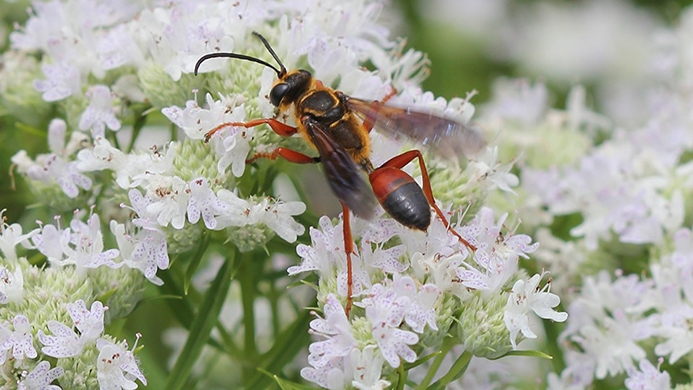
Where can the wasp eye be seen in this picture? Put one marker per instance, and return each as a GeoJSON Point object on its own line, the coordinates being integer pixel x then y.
{"type": "Point", "coordinates": [277, 93]}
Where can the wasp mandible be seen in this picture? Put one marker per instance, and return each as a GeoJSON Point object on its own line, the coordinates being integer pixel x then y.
{"type": "Point", "coordinates": [338, 126]}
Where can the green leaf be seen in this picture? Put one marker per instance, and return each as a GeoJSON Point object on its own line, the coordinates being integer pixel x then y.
{"type": "Point", "coordinates": [530, 353]}
{"type": "Point", "coordinates": [455, 372]}
{"type": "Point", "coordinates": [287, 385]}
{"type": "Point", "coordinates": [287, 345]}
{"type": "Point", "coordinates": [418, 362]}
{"type": "Point", "coordinates": [205, 320]}
{"type": "Point", "coordinates": [196, 261]}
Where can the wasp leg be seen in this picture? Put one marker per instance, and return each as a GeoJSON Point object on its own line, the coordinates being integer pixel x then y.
{"type": "Point", "coordinates": [349, 249]}
{"type": "Point", "coordinates": [405, 158]}
{"type": "Point", "coordinates": [287, 154]}
{"type": "Point", "coordinates": [280, 128]}
{"type": "Point", "coordinates": [369, 121]}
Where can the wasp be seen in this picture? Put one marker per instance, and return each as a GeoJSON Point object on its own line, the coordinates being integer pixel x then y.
{"type": "Point", "coordinates": [338, 127]}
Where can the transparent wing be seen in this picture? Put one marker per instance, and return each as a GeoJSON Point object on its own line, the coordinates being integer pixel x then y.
{"type": "Point", "coordinates": [447, 137]}
{"type": "Point", "coordinates": [344, 176]}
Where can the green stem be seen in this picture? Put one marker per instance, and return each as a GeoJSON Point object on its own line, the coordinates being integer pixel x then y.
{"type": "Point", "coordinates": [206, 318]}
{"type": "Point", "coordinates": [455, 371]}
{"type": "Point", "coordinates": [445, 348]}
{"type": "Point", "coordinates": [140, 121]}
{"type": "Point", "coordinates": [173, 132]}
{"type": "Point", "coordinates": [247, 279]}
{"type": "Point", "coordinates": [402, 377]}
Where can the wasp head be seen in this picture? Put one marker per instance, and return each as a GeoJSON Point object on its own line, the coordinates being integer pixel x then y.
{"type": "Point", "coordinates": [288, 88]}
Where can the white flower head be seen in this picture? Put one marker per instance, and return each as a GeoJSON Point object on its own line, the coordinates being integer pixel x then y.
{"type": "Point", "coordinates": [65, 342]}
{"type": "Point", "coordinates": [386, 310]}
{"type": "Point", "coordinates": [232, 146]}
{"type": "Point", "coordinates": [82, 244]}
{"type": "Point", "coordinates": [89, 323]}
{"type": "Point", "coordinates": [497, 255]}
{"type": "Point", "coordinates": [10, 236]}
{"type": "Point", "coordinates": [336, 328]}
{"type": "Point", "coordinates": [41, 377]}
{"type": "Point", "coordinates": [526, 297]}
{"type": "Point", "coordinates": [146, 248]}
{"type": "Point", "coordinates": [20, 341]}
{"type": "Point", "coordinates": [62, 80]}
{"type": "Point", "coordinates": [117, 366]}
{"type": "Point", "coordinates": [367, 366]}
{"type": "Point", "coordinates": [11, 285]}
{"type": "Point", "coordinates": [100, 113]}
{"type": "Point", "coordinates": [648, 377]}
{"type": "Point", "coordinates": [326, 250]}
{"type": "Point", "coordinates": [204, 202]}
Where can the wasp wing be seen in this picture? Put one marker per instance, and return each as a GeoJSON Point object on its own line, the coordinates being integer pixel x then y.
{"type": "Point", "coordinates": [446, 137]}
{"type": "Point", "coordinates": [342, 172]}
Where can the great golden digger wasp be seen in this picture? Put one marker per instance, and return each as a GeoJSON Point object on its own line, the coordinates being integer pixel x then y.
{"type": "Point", "coordinates": [338, 126]}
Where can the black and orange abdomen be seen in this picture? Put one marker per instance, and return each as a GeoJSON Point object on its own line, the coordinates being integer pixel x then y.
{"type": "Point", "coordinates": [401, 197]}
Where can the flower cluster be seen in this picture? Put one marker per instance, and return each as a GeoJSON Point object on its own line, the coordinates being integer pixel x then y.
{"type": "Point", "coordinates": [35, 300]}
{"type": "Point", "coordinates": [126, 122]}
{"type": "Point", "coordinates": [411, 289]}
{"type": "Point", "coordinates": [609, 202]}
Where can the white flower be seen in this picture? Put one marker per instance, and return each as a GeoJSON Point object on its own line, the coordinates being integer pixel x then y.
{"type": "Point", "coordinates": [385, 311]}
{"type": "Point", "coordinates": [118, 48]}
{"type": "Point", "coordinates": [104, 156]}
{"type": "Point", "coordinates": [56, 169]}
{"type": "Point", "coordinates": [387, 260]}
{"type": "Point", "coordinates": [611, 345]}
{"type": "Point", "coordinates": [367, 367]}
{"type": "Point", "coordinates": [203, 202]}
{"type": "Point", "coordinates": [10, 236]}
{"type": "Point", "coordinates": [179, 35]}
{"type": "Point", "coordinates": [49, 242]}
{"type": "Point", "coordinates": [526, 297]}
{"type": "Point", "coordinates": [21, 340]}
{"type": "Point", "coordinates": [11, 285]}
{"type": "Point", "coordinates": [40, 378]}
{"type": "Point", "coordinates": [145, 249]}
{"type": "Point", "coordinates": [100, 112]}
{"type": "Point", "coordinates": [421, 309]}
{"type": "Point", "coordinates": [232, 145]}
{"type": "Point", "coordinates": [117, 367]}
{"type": "Point", "coordinates": [496, 256]}
{"type": "Point", "coordinates": [6, 341]}
{"type": "Point", "coordinates": [496, 175]}
{"type": "Point", "coordinates": [89, 323]}
{"type": "Point", "coordinates": [518, 100]}
{"type": "Point", "coordinates": [335, 327]}
{"type": "Point", "coordinates": [647, 378]}
{"type": "Point", "coordinates": [273, 213]}
{"type": "Point", "coordinates": [278, 216]}
{"type": "Point", "coordinates": [170, 200]}
{"type": "Point", "coordinates": [62, 80]}
{"type": "Point", "coordinates": [65, 342]}
{"type": "Point", "coordinates": [83, 245]}
{"type": "Point", "coordinates": [326, 250]}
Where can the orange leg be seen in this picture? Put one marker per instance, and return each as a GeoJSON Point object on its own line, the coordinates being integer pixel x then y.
{"type": "Point", "coordinates": [370, 119]}
{"type": "Point", "coordinates": [349, 249]}
{"type": "Point", "coordinates": [287, 154]}
{"type": "Point", "coordinates": [405, 158]}
{"type": "Point", "coordinates": [278, 127]}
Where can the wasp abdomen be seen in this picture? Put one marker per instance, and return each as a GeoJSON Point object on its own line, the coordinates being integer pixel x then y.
{"type": "Point", "coordinates": [402, 198]}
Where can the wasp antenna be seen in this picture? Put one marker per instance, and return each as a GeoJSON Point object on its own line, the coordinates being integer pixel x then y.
{"type": "Point", "coordinates": [205, 57]}
{"type": "Point", "coordinates": [271, 51]}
